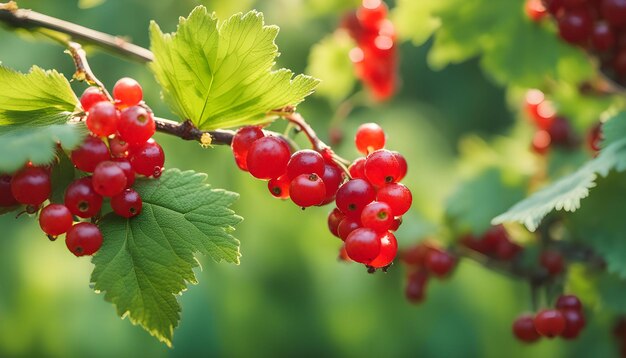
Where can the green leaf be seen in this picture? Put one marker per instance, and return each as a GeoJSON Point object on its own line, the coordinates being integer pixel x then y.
{"type": "Point", "coordinates": [567, 192]}
{"type": "Point", "coordinates": [330, 62]}
{"type": "Point", "coordinates": [416, 20]}
{"type": "Point", "coordinates": [62, 175]}
{"type": "Point", "coordinates": [219, 75]}
{"type": "Point", "coordinates": [146, 261]}
{"type": "Point", "coordinates": [34, 110]}
{"type": "Point", "coordinates": [462, 207]}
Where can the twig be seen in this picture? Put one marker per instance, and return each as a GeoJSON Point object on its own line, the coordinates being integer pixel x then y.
{"type": "Point", "coordinates": [83, 71]}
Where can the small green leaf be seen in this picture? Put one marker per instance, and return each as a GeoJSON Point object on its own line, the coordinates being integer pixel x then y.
{"type": "Point", "coordinates": [567, 192]}
{"type": "Point", "coordinates": [462, 209]}
{"type": "Point", "coordinates": [330, 62]}
{"type": "Point", "coordinates": [146, 261]}
{"type": "Point", "coordinates": [62, 175]}
{"type": "Point", "coordinates": [219, 75]}
{"type": "Point", "coordinates": [416, 20]}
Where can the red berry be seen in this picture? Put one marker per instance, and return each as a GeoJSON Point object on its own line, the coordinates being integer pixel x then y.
{"type": "Point", "coordinates": [119, 148]}
{"type": "Point", "coordinates": [541, 142]}
{"type": "Point", "coordinates": [127, 203]}
{"type": "Point", "coordinates": [136, 125]}
{"type": "Point", "coordinates": [103, 119]}
{"type": "Point", "coordinates": [576, 25]}
{"type": "Point", "coordinates": [377, 216]}
{"type": "Point", "coordinates": [439, 262]}
{"type": "Point", "coordinates": [127, 168]}
{"type": "Point", "coordinates": [279, 187]}
{"type": "Point", "coordinates": [549, 323]}
{"type": "Point", "coordinates": [55, 219]}
{"type": "Point", "coordinates": [127, 92]}
{"type": "Point", "coordinates": [524, 329]}
{"type": "Point", "coordinates": [560, 132]}
{"type": "Point", "coordinates": [535, 10]}
{"type": "Point", "coordinates": [305, 161]}
{"type": "Point", "coordinates": [31, 186]}
{"type": "Point", "coordinates": [83, 239]}
{"type": "Point", "coordinates": [242, 140]}
{"type": "Point", "coordinates": [267, 158]}
{"type": "Point", "coordinates": [395, 225]}
{"type": "Point", "coordinates": [307, 190]}
{"type": "Point", "coordinates": [415, 290]}
{"type": "Point", "coordinates": [108, 179]}
{"type": "Point", "coordinates": [507, 250]}
{"type": "Point", "coordinates": [552, 261]}
{"type": "Point", "coordinates": [416, 254]}
{"type": "Point", "coordinates": [371, 13]}
{"type": "Point", "coordinates": [346, 226]}
{"type": "Point", "coordinates": [568, 302]}
{"type": "Point", "coordinates": [81, 199]}
{"type": "Point", "coordinates": [602, 37]}
{"type": "Point", "coordinates": [357, 168]}
{"type": "Point", "coordinates": [91, 96]}
{"type": "Point", "coordinates": [332, 177]}
{"type": "Point", "coordinates": [334, 218]}
{"type": "Point", "coordinates": [90, 154]}
{"type": "Point", "coordinates": [148, 159]}
{"type": "Point", "coordinates": [574, 323]}
{"type": "Point", "coordinates": [594, 137]}
{"type": "Point", "coordinates": [388, 251]}
{"type": "Point", "coordinates": [614, 11]}
{"type": "Point", "coordinates": [6, 197]}
{"type": "Point", "coordinates": [353, 195]}
{"type": "Point", "coordinates": [554, 6]}
{"type": "Point", "coordinates": [382, 167]}
{"type": "Point", "coordinates": [369, 137]}
{"type": "Point", "coordinates": [403, 165]}
{"type": "Point", "coordinates": [397, 196]}
{"type": "Point", "coordinates": [363, 245]}
{"type": "Point", "coordinates": [619, 62]}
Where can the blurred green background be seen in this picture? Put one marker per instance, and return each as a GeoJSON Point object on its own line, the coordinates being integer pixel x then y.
{"type": "Point", "coordinates": [290, 296]}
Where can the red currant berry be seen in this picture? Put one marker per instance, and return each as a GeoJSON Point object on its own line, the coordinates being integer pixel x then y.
{"type": "Point", "coordinates": [343, 255]}
{"type": "Point", "coordinates": [371, 13]}
{"type": "Point", "coordinates": [119, 148]}
{"type": "Point", "coordinates": [363, 245]}
{"type": "Point", "coordinates": [574, 323]}
{"type": "Point", "coordinates": [388, 251]}
{"type": "Point", "coordinates": [31, 186]}
{"type": "Point", "coordinates": [83, 239]}
{"type": "Point", "coordinates": [397, 196]}
{"type": "Point", "coordinates": [6, 196]}
{"type": "Point", "coordinates": [416, 254]}
{"type": "Point", "coordinates": [395, 225]}
{"type": "Point", "coordinates": [136, 125]}
{"type": "Point", "coordinates": [614, 11]}
{"type": "Point", "coordinates": [305, 161]}
{"type": "Point", "coordinates": [127, 168]}
{"type": "Point", "coordinates": [148, 159]}
{"type": "Point", "coordinates": [535, 10]}
{"type": "Point", "coordinates": [403, 165]}
{"type": "Point", "coordinates": [560, 132]}
{"type": "Point", "coordinates": [346, 226]}
{"type": "Point", "coordinates": [568, 302]}
{"type": "Point", "coordinates": [307, 190]}
{"type": "Point", "coordinates": [90, 154]}
{"type": "Point", "coordinates": [552, 261]}
{"type": "Point", "coordinates": [507, 250]}
{"type": "Point", "coordinates": [55, 219]}
{"type": "Point", "coordinates": [279, 187]}
{"type": "Point", "coordinates": [127, 203]}
{"type": "Point", "coordinates": [602, 37]}
{"type": "Point", "coordinates": [267, 158]}
{"type": "Point", "coordinates": [332, 177]}
{"type": "Point", "coordinates": [576, 25]}
{"type": "Point", "coordinates": [108, 179]}
{"type": "Point", "coordinates": [524, 329]}
{"type": "Point", "coordinates": [102, 119]}
{"type": "Point", "coordinates": [91, 96]}
{"type": "Point", "coordinates": [549, 323]}
{"type": "Point", "coordinates": [334, 218]}
{"type": "Point", "coordinates": [594, 137]}
{"type": "Point", "coordinates": [541, 142]}
{"type": "Point", "coordinates": [353, 195]}
{"type": "Point", "coordinates": [619, 62]}
{"type": "Point", "coordinates": [382, 167]}
{"type": "Point", "coordinates": [415, 290]}
{"type": "Point", "coordinates": [81, 199]}
{"type": "Point", "coordinates": [357, 168]}
{"type": "Point", "coordinates": [242, 140]}
{"type": "Point", "coordinates": [440, 263]}
{"type": "Point", "coordinates": [127, 92]}
{"type": "Point", "coordinates": [369, 137]}
{"type": "Point", "coordinates": [377, 216]}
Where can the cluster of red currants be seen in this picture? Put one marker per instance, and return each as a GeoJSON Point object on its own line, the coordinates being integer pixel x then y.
{"type": "Point", "coordinates": [375, 58]}
{"type": "Point", "coordinates": [494, 243]}
{"type": "Point", "coordinates": [370, 205]}
{"type": "Point", "coordinates": [598, 26]}
{"type": "Point", "coordinates": [566, 321]}
{"type": "Point", "coordinates": [424, 260]}
{"type": "Point", "coordinates": [126, 126]}
{"type": "Point", "coordinates": [554, 130]}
